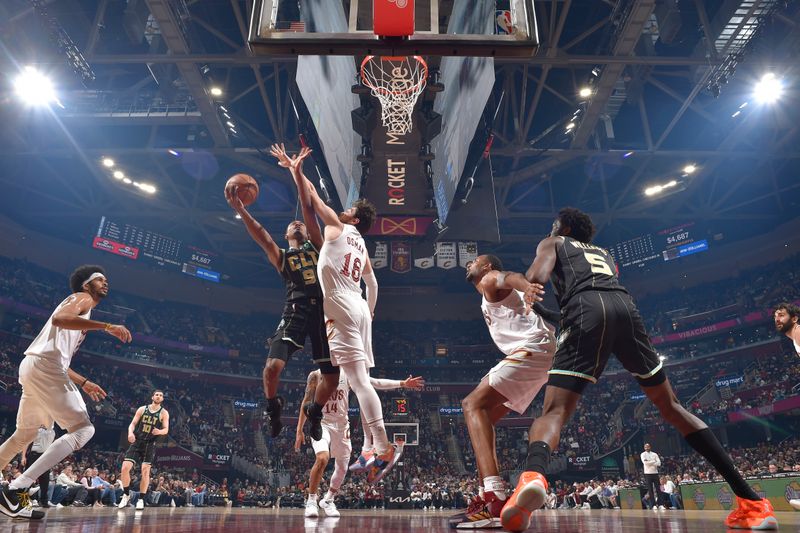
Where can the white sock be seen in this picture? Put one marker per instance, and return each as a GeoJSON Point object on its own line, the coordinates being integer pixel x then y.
{"type": "Point", "coordinates": [495, 484]}
{"type": "Point", "coordinates": [330, 496]}
{"type": "Point", "coordinates": [369, 402]}
{"type": "Point", "coordinates": [312, 498]}
{"type": "Point", "coordinates": [480, 492]}
{"type": "Point", "coordinates": [54, 454]}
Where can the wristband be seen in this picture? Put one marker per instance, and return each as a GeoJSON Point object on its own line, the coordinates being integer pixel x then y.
{"type": "Point", "coordinates": [85, 381]}
{"type": "Point", "coordinates": [109, 325]}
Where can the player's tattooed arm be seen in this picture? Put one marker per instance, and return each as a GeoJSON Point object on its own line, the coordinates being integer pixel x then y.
{"type": "Point", "coordinates": [495, 285]}
{"type": "Point", "coordinates": [311, 389]}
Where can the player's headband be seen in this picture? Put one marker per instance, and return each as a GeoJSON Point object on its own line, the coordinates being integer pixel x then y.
{"type": "Point", "coordinates": [92, 278]}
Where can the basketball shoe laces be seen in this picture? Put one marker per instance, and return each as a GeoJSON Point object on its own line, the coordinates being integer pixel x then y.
{"type": "Point", "coordinates": [475, 505]}
{"type": "Point", "coordinates": [24, 500]}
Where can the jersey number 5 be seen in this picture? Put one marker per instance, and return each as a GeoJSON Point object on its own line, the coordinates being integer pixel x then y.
{"type": "Point", "coordinates": [598, 262]}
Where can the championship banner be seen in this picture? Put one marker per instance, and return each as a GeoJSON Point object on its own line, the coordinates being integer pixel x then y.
{"type": "Point", "coordinates": [446, 255]}
{"type": "Point", "coordinates": [467, 251]}
{"type": "Point", "coordinates": [381, 259]}
{"type": "Point", "coordinates": [400, 226]}
{"type": "Point", "coordinates": [401, 257]}
{"type": "Point", "coordinates": [423, 262]}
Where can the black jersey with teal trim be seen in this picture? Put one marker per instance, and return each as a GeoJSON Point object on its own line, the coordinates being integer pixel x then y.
{"type": "Point", "coordinates": [149, 421]}
{"type": "Point", "coordinates": [583, 267]}
{"type": "Point", "coordinates": [299, 271]}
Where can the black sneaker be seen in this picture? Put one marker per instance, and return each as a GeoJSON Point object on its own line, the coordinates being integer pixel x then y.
{"type": "Point", "coordinates": [17, 504]}
{"type": "Point", "coordinates": [314, 423]}
{"type": "Point", "coordinates": [275, 424]}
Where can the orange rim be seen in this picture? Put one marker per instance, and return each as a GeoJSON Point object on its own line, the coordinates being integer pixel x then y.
{"type": "Point", "coordinates": [419, 60]}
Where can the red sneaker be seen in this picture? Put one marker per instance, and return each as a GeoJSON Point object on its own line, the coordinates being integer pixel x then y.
{"type": "Point", "coordinates": [482, 513]}
{"type": "Point", "coordinates": [529, 496]}
{"type": "Point", "coordinates": [752, 514]}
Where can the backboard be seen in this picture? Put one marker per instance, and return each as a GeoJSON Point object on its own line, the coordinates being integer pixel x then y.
{"type": "Point", "coordinates": [347, 27]}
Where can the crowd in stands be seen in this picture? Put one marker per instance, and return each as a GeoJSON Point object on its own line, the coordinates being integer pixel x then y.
{"type": "Point", "coordinates": [205, 420]}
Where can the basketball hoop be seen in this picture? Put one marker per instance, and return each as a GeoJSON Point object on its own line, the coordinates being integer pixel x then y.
{"type": "Point", "coordinates": [397, 82]}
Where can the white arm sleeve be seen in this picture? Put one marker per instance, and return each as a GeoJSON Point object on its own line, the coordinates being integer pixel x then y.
{"type": "Point", "coordinates": [385, 384]}
{"type": "Point", "coordinates": [372, 290]}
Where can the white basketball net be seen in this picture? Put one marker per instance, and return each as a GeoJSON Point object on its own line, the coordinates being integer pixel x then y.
{"type": "Point", "coordinates": [396, 82]}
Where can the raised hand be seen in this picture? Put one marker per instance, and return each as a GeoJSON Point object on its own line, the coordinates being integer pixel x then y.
{"type": "Point", "coordinates": [532, 295]}
{"type": "Point", "coordinates": [279, 152]}
{"type": "Point", "coordinates": [233, 199]}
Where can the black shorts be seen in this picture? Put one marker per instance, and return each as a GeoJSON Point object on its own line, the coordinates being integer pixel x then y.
{"type": "Point", "coordinates": [594, 325]}
{"type": "Point", "coordinates": [301, 320]}
{"type": "Point", "coordinates": [143, 451]}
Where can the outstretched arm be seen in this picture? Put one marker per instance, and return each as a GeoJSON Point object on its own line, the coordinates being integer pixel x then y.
{"type": "Point", "coordinates": [69, 317]}
{"type": "Point", "coordinates": [413, 383]}
{"type": "Point", "coordinates": [256, 230]}
{"type": "Point", "coordinates": [495, 285]}
{"type": "Point", "coordinates": [295, 165]}
{"type": "Point", "coordinates": [95, 391]}
{"type": "Point", "coordinates": [308, 197]}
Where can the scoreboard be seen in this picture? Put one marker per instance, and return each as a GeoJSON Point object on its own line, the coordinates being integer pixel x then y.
{"type": "Point", "coordinates": [137, 243]}
{"type": "Point", "coordinates": [664, 245]}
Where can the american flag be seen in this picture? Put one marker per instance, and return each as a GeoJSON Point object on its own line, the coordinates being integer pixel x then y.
{"type": "Point", "coordinates": [297, 26]}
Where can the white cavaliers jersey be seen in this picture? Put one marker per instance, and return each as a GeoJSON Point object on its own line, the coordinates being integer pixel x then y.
{"type": "Point", "coordinates": [342, 262]}
{"type": "Point", "coordinates": [54, 346]}
{"type": "Point", "coordinates": [796, 347]}
{"type": "Point", "coordinates": [517, 334]}
{"type": "Point", "coordinates": [334, 412]}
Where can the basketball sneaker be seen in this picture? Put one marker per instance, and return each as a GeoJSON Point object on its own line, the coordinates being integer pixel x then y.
{"type": "Point", "coordinates": [529, 496]}
{"type": "Point", "coordinates": [312, 509]}
{"type": "Point", "coordinates": [383, 464]}
{"type": "Point", "coordinates": [752, 514]}
{"type": "Point", "coordinates": [17, 504]}
{"type": "Point", "coordinates": [482, 513]}
{"type": "Point", "coordinates": [329, 507]}
{"type": "Point", "coordinates": [364, 461]}
{"type": "Point", "coordinates": [123, 502]}
{"type": "Point", "coordinates": [140, 503]}
{"type": "Point", "coordinates": [274, 414]}
{"type": "Point", "coordinates": [314, 422]}
{"type": "Point", "coordinates": [795, 504]}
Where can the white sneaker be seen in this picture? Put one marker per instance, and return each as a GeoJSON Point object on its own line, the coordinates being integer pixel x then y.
{"type": "Point", "coordinates": [59, 506]}
{"type": "Point", "coordinates": [662, 508]}
{"type": "Point", "coordinates": [312, 509]}
{"type": "Point", "coordinates": [795, 503]}
{"type": "Point", "coordinates": [329, 507]}
{"type": "Point", "coordinates": [586, 506]}
{"type": "Point", "coordinates": [139, 504]}
{"type": "Point", "coordinates": [123, 502]}
{"type": "Point", "coordinates": [172, 503]}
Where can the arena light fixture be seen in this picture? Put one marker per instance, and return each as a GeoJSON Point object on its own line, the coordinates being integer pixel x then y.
{"type": "Point", "coordinates": [127, 181]}
{"type": "Point", "coordinates": [108, 162]}
{"type": "Point", "coordinates": [148, 188]}
{"type": "Point", "coordinates": [690, 168]}
{"type": "Point", "coordinates": [768, 89]}
{"type": "Point", "coordinates": [657, 189]}
{"type": "Point", "coordinates": [215, 91]}
{"type": "Point", "coordinates": [34, 88]}
{"type": "Point", "coordinates": [238, 216]}
{"type": "Point", "coordinates": [119, 174]}
{"type": "Point", "coordinates": [570, 126]}
{"type": "Point", "coordinates": [585, 92]}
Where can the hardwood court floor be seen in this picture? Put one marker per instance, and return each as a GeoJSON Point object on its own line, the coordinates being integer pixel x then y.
{"type": "Point", "coordinates": [227, 520]}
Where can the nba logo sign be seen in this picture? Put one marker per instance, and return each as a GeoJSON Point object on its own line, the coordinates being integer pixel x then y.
{"type": "Point", "coordinates": [504, 24]}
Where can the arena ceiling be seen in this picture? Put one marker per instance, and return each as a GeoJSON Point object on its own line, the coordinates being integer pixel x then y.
{"type": "Point", "coordinates": [665, 96]}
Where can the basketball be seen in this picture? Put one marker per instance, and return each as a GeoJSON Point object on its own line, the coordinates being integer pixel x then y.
{"type": "Point", "coordinates": [247, 187]}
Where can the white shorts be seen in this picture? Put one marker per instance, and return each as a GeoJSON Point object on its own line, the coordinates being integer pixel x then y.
{"type": "Point", "coordinates": [520, 379]}
{"type": "Point", "coordinates": [48, 397]}
{"type": "Point", "coordinates": [349, 325]}
{"type": "Point", "coordinates": [335, 440]}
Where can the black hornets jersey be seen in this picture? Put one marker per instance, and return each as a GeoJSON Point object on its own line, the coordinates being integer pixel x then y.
{"type": "Point", "coordinates": [299, 271]}
{"type": "Point", "coordinates": [583, 267]}
{"type": "Point", "coordinates": [147, 423]}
